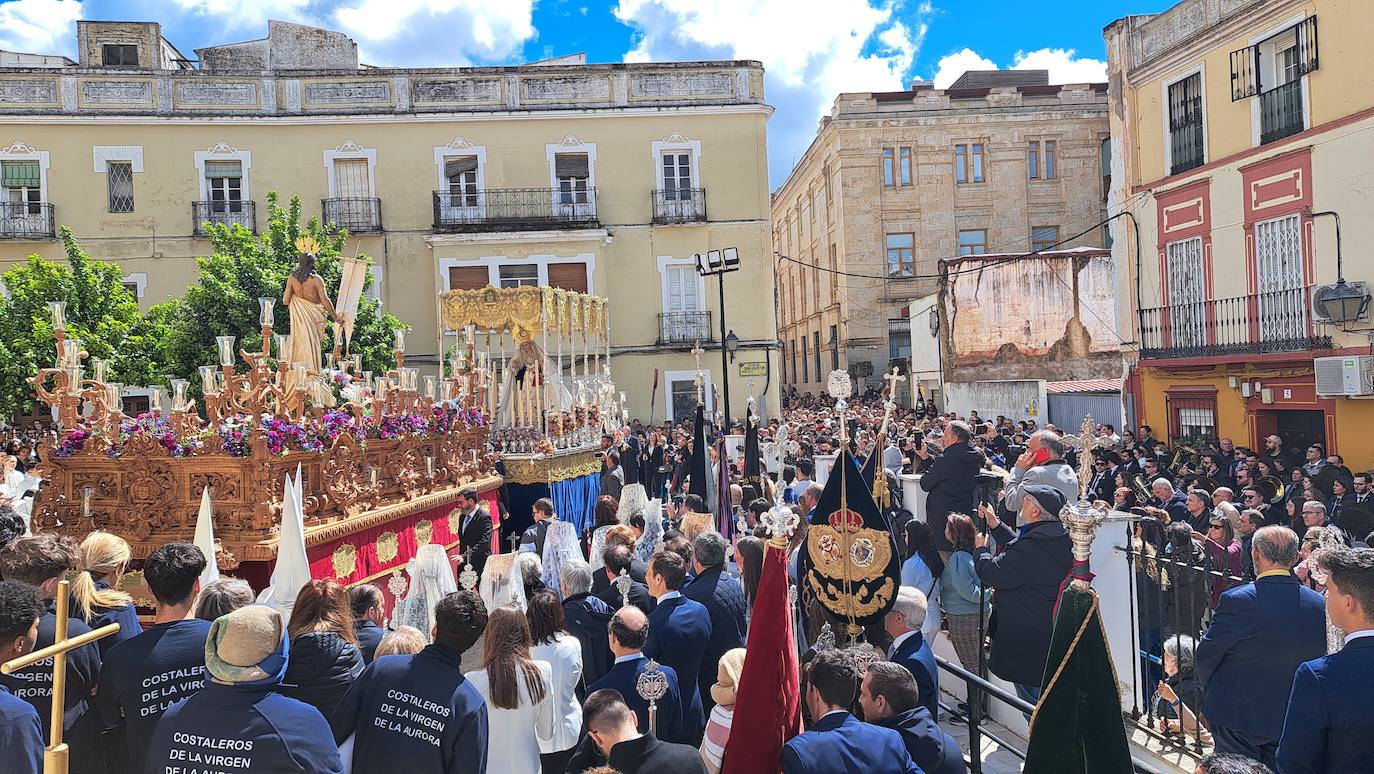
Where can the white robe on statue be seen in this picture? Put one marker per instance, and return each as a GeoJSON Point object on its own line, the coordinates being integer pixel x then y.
{"type": "Point", "coordinates": [307, 332]}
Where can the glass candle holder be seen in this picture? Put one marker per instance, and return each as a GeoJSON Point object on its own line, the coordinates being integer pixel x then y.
{"type": "Point", "coordinates": [155, 400]}
{"type": "Point", "coordinates": [99, 369]}
{"type": "Point", "coordinates": [74, 379]}
{"type": "Point", "coordinates": [209, 382]}
{"type": "Point", "coordinates": [179, 387]}
{"type": "Point", "coordinates": [398, 339]}
{"type": "Point", "coordinates": [298, 374]}
{"type": "Point", "coordinates": [381, 389]}
{"type": "Point", "coordinates": [329, 360]}
{"type": "Point", "coordinates": [59, 315]}
{"type": "Point", "coordinates": [283, 344]}
{"type": "Point", "coordinates": [429, 387]}
{"type": "Point", "coordinates": [71, 349]}
{"type": "Point", "coordinates": [265, 312]}
{"type": "Point", "coordinates": [114, 397]}
{"type": "Point", "coordinates": [225, 345]}
{"type": "Point", "coordinates": [469, 332]}
{"type": "Point", "coordinates": [357, 361]}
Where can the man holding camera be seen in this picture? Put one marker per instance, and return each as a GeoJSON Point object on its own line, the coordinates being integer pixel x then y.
{"type": "Point", "coordinates": [949, 479]}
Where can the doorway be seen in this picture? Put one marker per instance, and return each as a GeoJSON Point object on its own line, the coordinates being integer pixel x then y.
{"type": "Point", "coordinates": [1298, 428]}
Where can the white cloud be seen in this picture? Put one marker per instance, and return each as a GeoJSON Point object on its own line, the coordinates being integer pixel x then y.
{"type": "Point", "coordinates": [811, 51]}
{"type": "Point", "coordinates": [438, 32]}
{"type": "Point", "coordinates": [1064, 67]}
{"type": "Point", "coordinates": [249, 15]}
{"type": "Point", "coordinates": [39, 26]}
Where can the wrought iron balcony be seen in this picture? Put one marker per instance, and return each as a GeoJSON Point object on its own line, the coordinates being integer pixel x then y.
{"type": "Point", "coordinates": [26, 220]}
{"type": "Point", "coordinates": [224, 213]}
{"type": "Point", "coordinates": [1279, 321]}
{"type": "Point", "coordinates": [679, 205]}
{"type": "Point", "coordinates": [684, 327]}
{"type": "Point", "coordinates": [356, 215]}
{"type": "Point", "coordinates": [513, 209]}
{"type": "Point", "coordinates": [1281, 111]}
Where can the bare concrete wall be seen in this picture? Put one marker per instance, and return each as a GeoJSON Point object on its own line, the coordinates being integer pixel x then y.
{"type": "Point", "coordinates": [1016, 400]}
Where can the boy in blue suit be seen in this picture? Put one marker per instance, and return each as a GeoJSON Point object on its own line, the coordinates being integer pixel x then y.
{"type": "Point", "coordinates": [1330, 722]}
{"type": "Point", "coordinates": [1260, 634]}
{"type": "Point", "coordinates": [21, 734]}
{"type": "Point", "coordinates": [838, 742]}
{"type": "Point", "coordinates": [679, 633]}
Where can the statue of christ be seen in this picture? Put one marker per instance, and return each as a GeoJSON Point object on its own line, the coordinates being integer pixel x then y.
{"type": "Point", "coordinates": [309, 304]}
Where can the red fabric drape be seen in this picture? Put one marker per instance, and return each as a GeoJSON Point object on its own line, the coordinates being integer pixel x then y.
{"type": "Point", "coordinates": [768, 700]}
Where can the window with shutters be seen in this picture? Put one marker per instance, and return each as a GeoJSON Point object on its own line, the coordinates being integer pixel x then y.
{"type": "Point", "coordinates": [518, 275]}
{"type": "Point", "coordinates": [573, 173]}
{"type": "Point", "coordinates": [834, 348]}
{"type": "Point", "coordinates": [569, 276]}
{"type": "Point", "coordinates": [816, 351]}
{"type": "Point", "coordinates": [1279, 271]}
{"type": "Point", "coordinates": [1187, 294]}
{"type": "Point", "coordinates": [23, 184]}
{"type": "Point", "coordinates": [1186, 136]}
{"type": "Point", "coordinates": [224, 185]}
{"type": "Point", "coordinates": [806, 368]}
{"type": "Point", "coordinates": [468, 277]}
{"type": "Point", "coordinates": [1044, 237]}
{"type": "Point", "coordinates": [119, 184]}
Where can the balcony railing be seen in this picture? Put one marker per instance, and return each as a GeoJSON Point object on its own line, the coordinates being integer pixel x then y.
{"type": "Point", "coordinates": [1281, 111]}
{"type": "Point", "coordinates": [513, 209]}
{"type": "Point", "coordinates": [679, 205]}
{"type": "Point", "coordinates": [26, 220]}
{"type": "Point", "coordinates": [1278, 321]}
{"type": "Point", "coordinates": [684, 327]}
{"type": "Point", "coordinates": [356, 215]}
{"type": "Point", "coordinates": [224, 213]}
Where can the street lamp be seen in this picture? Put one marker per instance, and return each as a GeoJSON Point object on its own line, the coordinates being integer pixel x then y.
{"type": "Point", "coordinates": [720, 263]}
{"type": "Point", "coordinates": [1343, 302]}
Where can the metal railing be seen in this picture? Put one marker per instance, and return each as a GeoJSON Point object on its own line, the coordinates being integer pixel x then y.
{"type": "Point", "coordinates": [1277, 321]}
{"type": "Point", "coordinates": [497, 209]}
{"type": "Point", "coordinates": [684, 327]}
{"type": "Point", "coordinates": [1185, 139]}
{"type": "Point", "coordinates": [241, 212]}
{"type": "Point", "coordinates": [26, 220]}
{"type": "Point", "coordinates": [679, 205]}
{"type": "Point", "coordinates": [356, 215]}
{"type": "Point", "coordinates": [1281, 111]}
{"type": "Point", "coordinates": [1172, 595]}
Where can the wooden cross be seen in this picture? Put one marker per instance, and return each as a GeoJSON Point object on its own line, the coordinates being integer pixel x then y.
{"type": "Point", "coordinates": [56, 753]}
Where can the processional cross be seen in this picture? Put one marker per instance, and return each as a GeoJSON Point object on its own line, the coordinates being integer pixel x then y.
{"type": "Point", "coordinates": [697, 352]}
{"type": "Point", "coordinates": [1085, 441]}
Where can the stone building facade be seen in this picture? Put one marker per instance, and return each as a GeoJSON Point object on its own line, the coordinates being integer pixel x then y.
{"type": "Point", "coordinates": [1000, 162]}
{"type": "Point", "coordinates": [602, 178]}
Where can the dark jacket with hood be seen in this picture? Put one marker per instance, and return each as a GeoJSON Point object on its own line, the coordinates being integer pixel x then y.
{"type": "Point", "coordinates": [586, 617]}
{"type": "Point", "coordinates": [934, 751]}
{"type": "Point", "coordinates": [949, 480]}
{"type": "Point", "coordinates": [1025, 578]}
{"type": "Point", "coordinates": [323, 665]}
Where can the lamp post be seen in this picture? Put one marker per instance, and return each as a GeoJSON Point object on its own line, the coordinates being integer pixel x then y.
{"type": "Point", "coordinates": [720, 263]}
{"type": "Point", "coordinates": [1341, 303]}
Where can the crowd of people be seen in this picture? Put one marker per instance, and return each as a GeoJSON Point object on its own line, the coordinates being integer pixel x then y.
{"type": "Point", "coordinates": [1253, 618]}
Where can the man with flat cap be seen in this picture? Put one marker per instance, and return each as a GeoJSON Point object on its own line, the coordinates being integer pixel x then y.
{"type": "Point", "coordinates": [1024, 577]}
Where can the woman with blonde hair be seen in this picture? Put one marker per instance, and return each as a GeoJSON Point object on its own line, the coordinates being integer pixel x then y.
{"type": "Point", "coordinates": [405, 641]}
{"type": "Point", "coordinates": [324, 659]}
{"type": "Point", "coordinates": [100, 564]}
{"type": "Point", "coordinates": [517, 690]}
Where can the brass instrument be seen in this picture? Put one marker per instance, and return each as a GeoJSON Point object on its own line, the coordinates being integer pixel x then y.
{"type": "Point", "coordinates": [1141, 488]}
{"type": "Point", "coordinates": [1271, 487]}
{"type": "Point", "coordinates": [1179, 451]}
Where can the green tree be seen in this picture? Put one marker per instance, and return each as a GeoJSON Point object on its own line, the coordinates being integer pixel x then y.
{"type": "Point", "coordinates": [100, 311]}
{"type": "Point", "coordinates": [243, 267]}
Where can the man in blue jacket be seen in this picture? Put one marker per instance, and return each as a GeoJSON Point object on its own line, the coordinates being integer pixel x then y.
{"type": "Point", "coordinates": [838, 742]}
{"type": "Point", "coordinates": [418, 714]}
{"type": "Point", "coordinates": [679, 630]}
{"type": "Point", "coordinates": [240, 721]}
{"type": "Point", "coordinates": [909, 647]}
{"type": "Point", "coordinates": [1330, 722]}
{"type": "Point", "coordinates": [1260, 634]}
{"type": "Point", "coordinates": [723, 598]}
{"type": "Point", "coordinates": [889, 698]}
{"type": "Point", "coordinates": [21, 734]}
{"type": "Point", "coordinates": [143, 676]}
{"type": "Point", "coordinates": [629, 630]}
{"type": "Point", "coordinates": [365, 602]}
{"type": "Point", "coordinates": [42, 561]}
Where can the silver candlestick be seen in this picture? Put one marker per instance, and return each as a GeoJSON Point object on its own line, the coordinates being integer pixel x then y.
{"type": "Point", "coordinates": [652, 684]}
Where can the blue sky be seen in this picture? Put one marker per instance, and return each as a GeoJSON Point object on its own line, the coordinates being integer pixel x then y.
{"type": "Point", "coordinates": [812, 49]}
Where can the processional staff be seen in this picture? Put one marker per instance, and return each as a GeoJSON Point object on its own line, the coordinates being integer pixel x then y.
{"type": "Point", "coordinates": [56, 753]}
{"type": "Point", "coordinates": [652, 684]}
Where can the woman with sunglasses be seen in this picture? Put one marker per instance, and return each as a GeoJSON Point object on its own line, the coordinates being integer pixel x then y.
{"type": "Point", "coordinates": [1224, 548]}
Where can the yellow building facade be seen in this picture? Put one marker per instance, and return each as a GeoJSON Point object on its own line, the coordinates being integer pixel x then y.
{"type": "Point", "coordinates": [1242, 141]}
{"type": "Point", "coordinates": [606, 179]}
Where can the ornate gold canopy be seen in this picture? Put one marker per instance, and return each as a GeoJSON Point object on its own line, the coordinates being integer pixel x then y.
{"type": "Point", "coordinates": [524, 311]}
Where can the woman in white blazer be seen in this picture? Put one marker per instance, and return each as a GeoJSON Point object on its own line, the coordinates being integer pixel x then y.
{"type": "Point", "coordinates": [517, 689]}
{"type": "Point", "coordinates": [552, 643]}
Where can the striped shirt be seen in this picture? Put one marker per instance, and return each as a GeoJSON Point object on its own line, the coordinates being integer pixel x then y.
{"type": "Point", "coordinates": [717, 733]}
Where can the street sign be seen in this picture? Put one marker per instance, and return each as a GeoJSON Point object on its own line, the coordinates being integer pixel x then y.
{"type": "Point", "coordinates": [753, 369]}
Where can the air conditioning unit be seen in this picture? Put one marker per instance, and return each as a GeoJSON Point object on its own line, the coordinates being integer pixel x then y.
{"type": "Point", "coordinates": [1344, 376]}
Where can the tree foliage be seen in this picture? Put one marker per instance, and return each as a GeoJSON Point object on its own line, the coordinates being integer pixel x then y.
{"type": "Point", "coordinates": [243, 267]}
{"type": "Point", "coordinates": [100, 311]}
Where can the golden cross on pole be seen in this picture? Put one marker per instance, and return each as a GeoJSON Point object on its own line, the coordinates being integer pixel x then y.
{"type": "Point", "coordinates": [1087, 442]}
{"type": "Point", "coordinates": [56, 753]}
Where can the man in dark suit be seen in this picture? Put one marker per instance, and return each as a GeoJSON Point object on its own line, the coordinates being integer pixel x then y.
{"type": "Point", "coordinates": [1025, 578]}
{"type": "Point", "coordinates": [889, 698]}
{"type": "Point", "coordinates": [1330, 722]}
{"type": "Point", "coordinates": [1260, 634]}
{"type": "Point", "coordinates": [617, 558]}
{"type": "Point", "coordinates": [611, 727]}
{"type": "Point", "coordinates": [628, 631]}
{"type": "Point", "coordinates": [949, 478]}
{"type": "Point", "coordinates": [723, 598]}
{"type": "Point", "coordinates": [474, 532]}
{"type": "Point", "coordinates": [542, 512]}
{"type": "Point", "coordinates": [909, 648]}
{"type": "Point", "coordinates": [586, 618]}
{"type": "Point", "coordinates": [838, 742]}
{"type": "Point", "coordinates": [679, 629]}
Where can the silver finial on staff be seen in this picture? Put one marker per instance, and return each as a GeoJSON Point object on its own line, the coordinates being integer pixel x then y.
{"type": "Point", "coordinates": [652, 684]}
{"type": "Point", "coordinates": [622, 584]}
{"type": "Point", "coordinates": [468, 577]}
